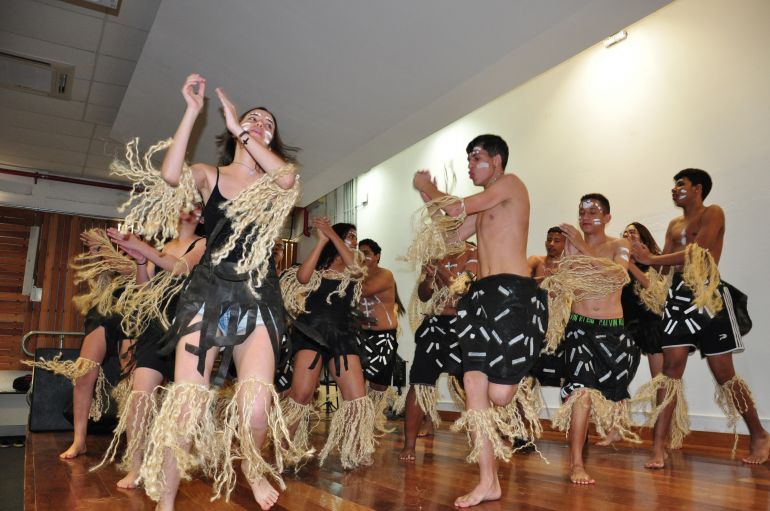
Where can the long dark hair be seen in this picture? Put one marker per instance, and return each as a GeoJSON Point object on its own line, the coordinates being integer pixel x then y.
{"type": "Point", "coordinates": [329, 251]}
{"type": "Point", "coordinates": [646, 238]}
{"type": "Point", "coordinates": [226, 142]}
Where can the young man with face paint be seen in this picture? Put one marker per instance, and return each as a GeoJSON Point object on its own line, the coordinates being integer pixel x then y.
{"type": "Point", "coordinates": [501, 319]}
{"type": "Point", "coordinates": [542, 266]}
{"type": "Point", "coordinates": [715, 329]}
{"type": "Point", "coordinates": [600, 358]}
{"type": "Point", "coordinates": [380, 307]}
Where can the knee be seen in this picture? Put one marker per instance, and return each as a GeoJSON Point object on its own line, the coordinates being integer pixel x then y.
{"type": "Point", "coordinates": [674, 368]}
{"type": "Point", "coordinates": [474, 382]}
{"type": "Point", "coordinates": [301, 396]}
{"type": "Point", "coordinates": [501, 397]}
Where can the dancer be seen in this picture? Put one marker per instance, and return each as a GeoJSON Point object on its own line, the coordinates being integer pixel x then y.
{"type": "Point", "coordinates": [106, 272]}
{"type": "Point", "coordinates": [437, 348]}
{"type": "Point", "coordinates": [158, 283]}
{"type": "Point", "coordinates": [380, 307]}
{"type": "Point", "coordinates": [543, 266]}
{"type": "Point", "coordinates": [701, 312]}
{"type": "Point", "coordinates": [599, 356]}
{"type": "Point", "coordinates": [230, 305]}
{"type": "Point", "coordinates": [642, 323]}
{"type": "Point", "coordinates": [321, 294]}
{"type": "Point", "coordinates": [501, 319]}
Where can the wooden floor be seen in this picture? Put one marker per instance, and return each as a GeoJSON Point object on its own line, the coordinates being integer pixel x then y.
{"type": "Point", "coordinates": [701, 479]}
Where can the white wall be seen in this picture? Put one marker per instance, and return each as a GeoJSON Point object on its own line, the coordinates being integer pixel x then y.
{"type": "Point", "coordinates": [690, 87]}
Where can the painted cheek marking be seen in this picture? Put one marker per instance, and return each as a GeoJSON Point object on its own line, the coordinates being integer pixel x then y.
{"type": "Point", "coordinates": [268, 137]}
{"type": "Point", "coordinates": [482, 165]}
{"type": "Point", "coordinates": [624, 257]}
{"type": "Point", "coordinates": [597, 221]}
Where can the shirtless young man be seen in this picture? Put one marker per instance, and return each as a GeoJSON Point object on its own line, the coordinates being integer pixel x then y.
{"type": "Point", "coordinates": [600, 358]}
{"type": "Point", "coordinates": [542, 266]}
{"type": "Point", "coordinates": [380, 308]}
{"type": "Point", "coordinates": [437, 349]}
{"type": "Point", "coordinates": [499, 341]}
{"type": "Point", "coordinates": [687, 328]}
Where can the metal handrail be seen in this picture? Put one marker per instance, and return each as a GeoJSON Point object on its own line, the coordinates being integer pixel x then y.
{"type": "Point", "coordinates": [46, 332]}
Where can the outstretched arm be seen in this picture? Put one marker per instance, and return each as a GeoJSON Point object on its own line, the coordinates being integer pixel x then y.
{"type": "Point", "coordinates": [138, 249]}
{"type": "Point", "coordinates": [712, 224]}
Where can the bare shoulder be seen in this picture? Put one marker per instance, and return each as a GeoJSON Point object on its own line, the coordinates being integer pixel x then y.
{"type": "Point", "coordinates": [713, 212]}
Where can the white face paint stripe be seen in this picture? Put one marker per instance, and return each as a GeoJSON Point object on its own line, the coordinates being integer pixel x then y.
{"type": "Point", "coordinates": [482, 165]}
{"type": "Point", "coordinates": [597, 221]}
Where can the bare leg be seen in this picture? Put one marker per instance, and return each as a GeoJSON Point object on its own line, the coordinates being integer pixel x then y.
{"type": "Point", "coordinates": [655, 360]}
{"type": "Point", "coordinates": [426, 428]}
{"type": "Point", "coordinates": [722, 368]}
{"type": "Point", "coordinates": [674, 363]}
{"type": "Point", "coordinates": [304, 381]}
{"type": "Point", "coordinates": [254, 359]}
{"type": "Point", "coordinates": [414, 417]}
{"type": "Point", "coordinates": [477, 391]}
{"type": "Point", "coordinates": [145, 380]}
{"type": "Point", "coordinates": [94, 348]}
{"type": "Point", "coordinates": [577, 438]}
{"type": "Point", "coordinates": [185, 371]}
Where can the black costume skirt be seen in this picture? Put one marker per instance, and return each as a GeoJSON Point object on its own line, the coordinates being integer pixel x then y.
{"type": "Point", "coordinates": [218, 291]}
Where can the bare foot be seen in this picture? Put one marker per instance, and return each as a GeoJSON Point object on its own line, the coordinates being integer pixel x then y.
{"type": "Point", "coordinates": [759, 450]}
{"type": "Point", "coordinates": [131, 481]}
{"type": "Point", "coordinates": [610, 439]}
{"type": "Point", "coordinates": [265, 495]}
{"type": "Point", "coordinates": [75, 450]}
{"type": "Point", "coordinates": [657, 460]}
{"type": "Point", "coordinates": [407, 454]}
{"type": "Point", "coordinates": [578, 475]}
{"type": "Point", "coordinates": [426, 429]}
{"type": "Point", "coordinates": [481, 493]}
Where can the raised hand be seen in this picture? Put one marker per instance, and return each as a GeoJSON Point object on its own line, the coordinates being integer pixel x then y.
{"type": "Point", "coordinates": [323, 227]}
{"type": "Point", "coordinates": [640, 253]}
{"type": "Point", "coordinates": [422, 180]}
{"type": "Point", "coordinates": [194, 92]}
{"type": "Point", "coordinates": [129, 243]}
{"type": "Point", "coordinates": [231, 114]}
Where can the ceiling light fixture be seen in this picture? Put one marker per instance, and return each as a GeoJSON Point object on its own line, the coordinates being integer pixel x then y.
{"type": "Point", "coordinates": [615, 39]}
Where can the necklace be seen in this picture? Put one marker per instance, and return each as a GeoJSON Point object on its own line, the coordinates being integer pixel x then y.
{"type": "Point", "coordinates": [252, 172]}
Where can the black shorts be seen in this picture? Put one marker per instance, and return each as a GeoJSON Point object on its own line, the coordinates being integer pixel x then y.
{"type": "Point", "coordinates": [550, 369]}
{"type": "Point", "coordinates": [145, 352]}
{"type": "Point", "coordinates": [686, 325]}
{"type": "Point", "coordinates": [599, 354]}
{"type": "Point", "coordinates": [501, 326]}
{"type": "Point", "coordinates": [380, 348]}
{"type": "Point", "coordinates": [437, 350]}
{"type": "Point", "coordinates": [648, 335]}
{"type": "Point", "coordinates": [113, 333]}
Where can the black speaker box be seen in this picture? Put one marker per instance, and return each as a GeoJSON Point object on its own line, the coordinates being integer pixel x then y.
{"type": "Point", "coordinates": [50, 407]}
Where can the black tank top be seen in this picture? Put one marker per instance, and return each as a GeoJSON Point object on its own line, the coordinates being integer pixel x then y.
{"type": "Point", "coordinates": [212, 215]}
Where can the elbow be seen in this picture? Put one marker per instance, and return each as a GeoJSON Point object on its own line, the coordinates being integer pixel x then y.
{"type": "Point", "coordinates": [287, 182]}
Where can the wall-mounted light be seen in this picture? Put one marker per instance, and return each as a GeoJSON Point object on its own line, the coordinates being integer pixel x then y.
{"type": "Point", "coordinates": [615, 39]}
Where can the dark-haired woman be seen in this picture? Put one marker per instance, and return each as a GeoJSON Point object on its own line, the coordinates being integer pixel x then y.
{"type": "Point", "coordinates": [643, 324]}
{"type": "Point", "coordinates": [321, 295]}
{"type": "Point", "coordinates": [231, 305]}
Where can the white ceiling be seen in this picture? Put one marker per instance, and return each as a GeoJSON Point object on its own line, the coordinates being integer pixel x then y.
{"type": "Point", "coordinates": [351, 82]}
